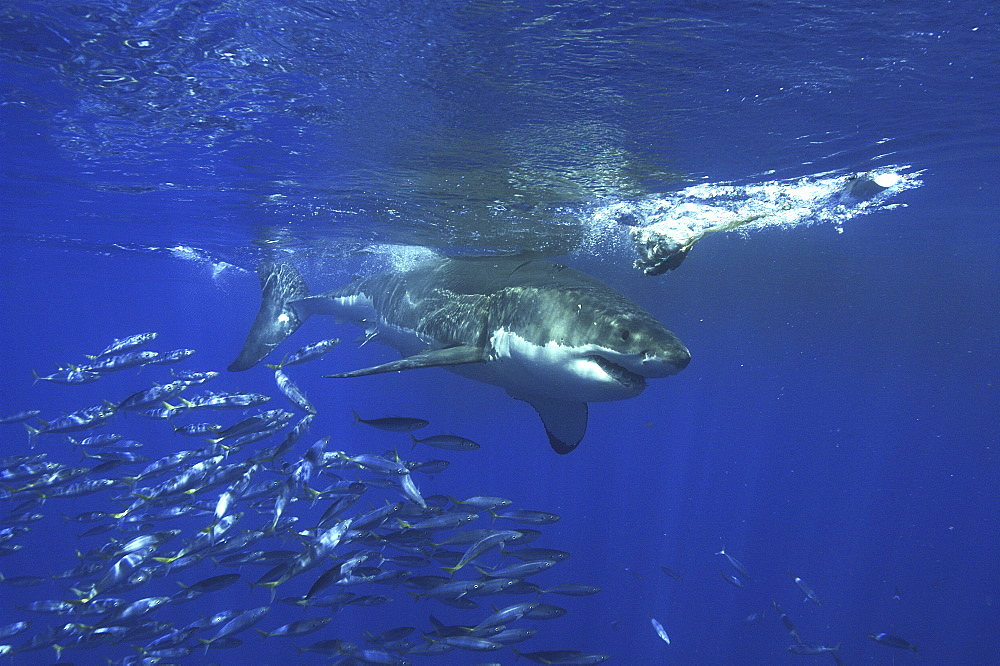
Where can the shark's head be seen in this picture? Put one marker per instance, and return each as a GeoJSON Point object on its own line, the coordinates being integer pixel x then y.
{"type": "Point", "coordinates": [636, 345]}
{"type": "Point", "coordinates": [586, 345]}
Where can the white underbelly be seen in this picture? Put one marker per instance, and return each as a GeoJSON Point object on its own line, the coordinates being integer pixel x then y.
{"type": "Point", "coordinates": [524, 369]}
{"type": "Point", "coordinates": [553, 370]}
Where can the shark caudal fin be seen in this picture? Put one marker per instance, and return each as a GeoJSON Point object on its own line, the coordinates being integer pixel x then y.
{"type": "Point", "coordinates": [280, 285]}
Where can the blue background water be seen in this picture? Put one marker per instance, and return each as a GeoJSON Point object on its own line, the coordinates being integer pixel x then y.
{"type": "Point", "coordinates": [839, 418]}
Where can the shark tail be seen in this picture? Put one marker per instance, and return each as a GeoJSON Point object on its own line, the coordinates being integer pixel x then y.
{"type": "Point", "coordinates": [280, 285]}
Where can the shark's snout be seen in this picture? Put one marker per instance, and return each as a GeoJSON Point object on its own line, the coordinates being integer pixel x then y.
{"type": "Point", "coordinates": [664, 363]}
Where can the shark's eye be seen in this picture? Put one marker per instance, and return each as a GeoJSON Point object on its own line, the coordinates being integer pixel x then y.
{"type": "Point", "coordinates": [625, 334]}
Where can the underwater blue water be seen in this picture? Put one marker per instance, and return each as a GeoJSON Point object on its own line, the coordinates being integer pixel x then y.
{"type": "Point", "coordinates": [838, 421]}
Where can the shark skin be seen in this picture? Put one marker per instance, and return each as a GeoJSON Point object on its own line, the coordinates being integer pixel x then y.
{"type": "Point", "coordinates": [547, 334]}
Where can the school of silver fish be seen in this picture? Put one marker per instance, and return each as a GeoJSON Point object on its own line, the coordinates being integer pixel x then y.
{"type": "Point", "coordinates": [310, 526]}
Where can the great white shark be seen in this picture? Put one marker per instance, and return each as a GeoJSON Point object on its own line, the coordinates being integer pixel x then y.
{"type": "Point", "coordinates": [549, 335]}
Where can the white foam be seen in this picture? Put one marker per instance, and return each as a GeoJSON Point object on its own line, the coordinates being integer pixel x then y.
{"type": "Point", "coordinates": [659, 225]}
{"type": "Point", "coordinates": [218, 268]}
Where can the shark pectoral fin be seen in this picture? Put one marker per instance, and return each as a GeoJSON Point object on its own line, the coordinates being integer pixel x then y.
{"type": "Point", "coordinates": [280, 285]}
{"type": "Point", "coordinates": [432, 358]}
{"type": "Point", "coordinates": [565, 422]}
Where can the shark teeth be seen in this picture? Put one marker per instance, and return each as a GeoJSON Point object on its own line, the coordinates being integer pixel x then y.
{"type": "Point", "coordinates": [621, 375]}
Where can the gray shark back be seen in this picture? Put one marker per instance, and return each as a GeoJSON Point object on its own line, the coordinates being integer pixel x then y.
{"type": "Point", "coordinates": [438, 303]}
{"type": "Point", "coordinates": [463, 301]}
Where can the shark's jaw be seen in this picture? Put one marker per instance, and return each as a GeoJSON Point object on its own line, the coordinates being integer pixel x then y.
{"type": "Point", "coordinates": [629, 380]}
{"type": "Point", "coordinates": [585, 373]}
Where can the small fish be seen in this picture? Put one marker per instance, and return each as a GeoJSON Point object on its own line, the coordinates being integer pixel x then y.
{"type": "Point", "coordinates": [166, 463]}
{"type": "Point", "coordinates": [894, 641]}
{"type": "Point", "coordinates": [26, 506]}
{"type": "Point", "coordinates": [192, 378]}
{"type": "Point", "coordinates": [14, 629]}
{"type": "Point", "coordinates": [411, 491]}
{"type": "Point", "coordinates": [122, 445]}
{"type": "Point", "coordinates": [572, 590]}
{"type": "Point", "coordinates": [806, 590]}
{"type": "Point", "coordinates": [429, 466]}
{"type": "Point", "coordinates": [211, 584]}
{"type": "Point", "coordinates": [804, 649]}
{"type": "Point", "coordinates": [168, 411]}
{"type": "Point", "coordinates": [125, 344]}
{"type": "Point", "coordinates": [168, 640]}
{"type": "Point", "coordinates": [234, 493]}
{"type": "Point", "coordinates": [393, 423]}
{"type": "Point", "coordinates": [105, 364]}
{"type": "Point", "coordinates": [376, 517]}
{"type": "Point", "coordinates": [96, 441]}
{"type": "Point", "coordinates": [493, 539]}
{"type": "Point", "coordinates": [506, 615]}
{"type": "Point", "coordinates": [326, 579]}
{"type": "Point", "coordinates": [149, 397]}
{"type": "Point", "coordinates": [254, 424]}
{"type": "Point", "coordinates": [88, 516]}
{"type": "Point", "coordinates": [291, 391]}
{"type": "Point", "coordinates": [100, 529]}
{"type": "Point", "coordinates": [105, 467]}
{"type": "Point", "coordinates": [671, 573]}
{"type": "Point", "coordinates": [58, 478]}
{"type": "Point", "coordinates": [141, 607]}
{"type": "Point", "coordinates": [753, 618]}
{"type": "Point", "coordinates": [199, 429]}
{"type": "Point", "coordinates": [333, 647]}
{"type": "Point", "coordinates": [470, 643]}
{"type": "Point", "coordinates": [82, 488]}
{"type": "Point", "coordinates": [18, 417]}
{"type": "Point", "coordinates": [226, 401]}
{"type": "Point", "coordinates": [23, 581]}
{"type": "Point", "coordinates": [307, 353]}
{"type": "Point", "coordinates": [519, 570]}
{"type": "Point", "coordinates": [156, 654]}
{"type": "Point", "coordinates": [48, 606]}
{"type": "Point", "coordinates": [27, 471]}
{"type": "Point", "coordinates": [69, 375]}
{"type": "Point", "coordinates": [660, 631]}
{"type": "Point", "coordinates": [374, 463]}
{"type": "Point", "coordinates": [212, 621]}
{"type": "Point", "coordinates": [787, 621]}
{"type": "Point", "coordinates": [298, 628]}
{"type": "Point", "coordinates": [126, 457]}
{"type": "Point", "coordinates": [87, 418]}
{"type": "Point", "coordinates": [447, 442]}
{"type": "Point", "coordinates": [293, 436]}
{"type": "Point", "coordinates": [740, 569]}
{"type": "Point", "coordinates": [511, 636]}
{"type": "Point", "coordinates": [390, 637]}
{"type": "Point", "coordinates": [733, 580]}
{"type": "Point", "coordinates": [527, 517]}
{"type": "Point", "coordinates": [562, 657]}
{"type": "Point", "coordinates": [481, 502]}
{"type": "Point", "coordinates": [445, 521]}
{"type": "Point", "coordinates": [172, 356]}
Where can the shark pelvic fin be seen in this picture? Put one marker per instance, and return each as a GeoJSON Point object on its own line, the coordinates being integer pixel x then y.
{"type": "Point", "coordinates": [432, 358]}
{"type": "Point", "coordinates": [280, 285]}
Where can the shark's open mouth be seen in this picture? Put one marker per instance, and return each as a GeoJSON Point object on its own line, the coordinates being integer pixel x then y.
{"type": "Point", "coordinates": [623, 376]}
